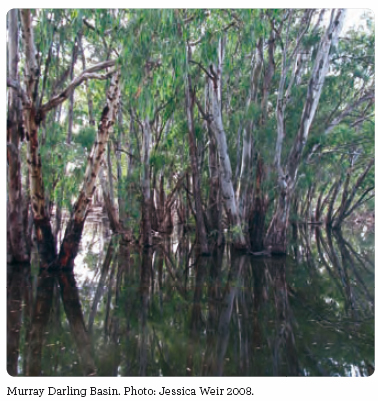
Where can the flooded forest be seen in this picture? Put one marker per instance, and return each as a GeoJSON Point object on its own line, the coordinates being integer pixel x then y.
{"type": "Point", "coordinates": [190, 192]}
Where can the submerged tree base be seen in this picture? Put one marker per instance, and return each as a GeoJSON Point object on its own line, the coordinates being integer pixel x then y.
{"type": "Point", "coordinates": [167, 310]}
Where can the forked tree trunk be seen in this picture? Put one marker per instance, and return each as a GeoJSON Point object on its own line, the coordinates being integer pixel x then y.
{"type": "Point", "coordinates": [72, 236]}
{"type": "Point", "coordinates": [276, 237]}
{"type": "Point", "coordinates": [225, 164]}
{"type": "Point", "coordinates": [33, 115]}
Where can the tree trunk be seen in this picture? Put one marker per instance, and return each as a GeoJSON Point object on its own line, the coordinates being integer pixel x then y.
{"type": "Point", "coordinates": [110, 207]}
{"type": "Point", "coordinates": [333, 196]}
{"type": "Point", "coordinates": [200, 223]}
{"type": "Point", "coordinates": [276, 237]}
{"type": "Point", "coordinates": [15, 224]}
{"type": "Point", "coordinates": [225, 164]}
{"type": "Point", "coordinates": [92, 121]}
{"type": "Point", "coordinates": [71, 96]}
{"type": "Point", "coordinates": [318, 211]}
{"type": "Point", "coordinates": [243, 191]}
{"type": "Point", "coordinates": [258, 211]}
{"type": "Point", "coordinates": [146, 186]}
{"type": "Point", "coordinates": [72, 236]}
{"type": "Point", "coordinates": [215, 203]}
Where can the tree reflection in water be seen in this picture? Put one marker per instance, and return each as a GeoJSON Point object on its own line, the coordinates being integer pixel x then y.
{"type": "Point", "coordinates": [168, 311]}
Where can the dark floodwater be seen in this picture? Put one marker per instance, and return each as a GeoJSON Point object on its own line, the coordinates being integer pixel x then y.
{"type": "Point", "coordinates": [167, 312]}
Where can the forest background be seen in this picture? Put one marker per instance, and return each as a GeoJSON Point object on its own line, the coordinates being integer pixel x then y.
{"type": "Point", "coordinates": [338, 176]}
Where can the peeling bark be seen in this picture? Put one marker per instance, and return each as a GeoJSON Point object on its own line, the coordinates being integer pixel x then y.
{"type": "Point", "coordinates": [75, 226]}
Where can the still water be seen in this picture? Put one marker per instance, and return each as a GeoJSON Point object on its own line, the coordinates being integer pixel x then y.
{"type": "Point", "coordinates": [169, 312]}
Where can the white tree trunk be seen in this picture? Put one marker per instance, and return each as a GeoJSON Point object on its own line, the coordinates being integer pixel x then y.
{"type": "Point", "coordinates": [276, 235]}
{"type": "Point", "coordinates": [225, 165]}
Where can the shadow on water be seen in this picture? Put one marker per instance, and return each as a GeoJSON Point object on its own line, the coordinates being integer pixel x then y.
{"type": "Point", "coordinates": [167, 311]}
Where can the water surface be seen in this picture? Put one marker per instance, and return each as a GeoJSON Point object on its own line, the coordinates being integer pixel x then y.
{"type": "Point", "coordinates": [169, 312]}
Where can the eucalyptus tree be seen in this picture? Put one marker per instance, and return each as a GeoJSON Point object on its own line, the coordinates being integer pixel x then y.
{"type": "Point", "coordinates": [277, 232]}
{"type": "Point", "coordinates": [34, 111]}
{"type": "Point", "coordinates": [16, 224]}
{"type": "Point", "coordinates": [225, 84]}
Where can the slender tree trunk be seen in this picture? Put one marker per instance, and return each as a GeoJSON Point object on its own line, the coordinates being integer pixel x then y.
{"type": "Point", "coordinates": [258, 211]}
{"type": "Point", "coordinates": [200, 223]}
{"type": "Point", "coordinates": [245, 173]}
{"type": "Point", "coordinates": [71, 96]}
{"type": "Point", "coordinates": [243, 192]}
{"type": "Point", "coordinates": [110, 174]}
{"type": "Point", "coordinates": [215, 203]}
{"type": "Point", "coordinates": [333, 196]}
{"type": "Point", "coordinates": [110, 207]}
{"type": "Point", "coordinates": [146, 186]}
{"type": "Point", "coordinates": [318, 211]}
{"type": "Point", "coordinates": [92, 121]}
{"type": "Point", "coordinates": [120, 179]}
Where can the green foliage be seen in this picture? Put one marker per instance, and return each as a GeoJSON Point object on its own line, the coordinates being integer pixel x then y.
{"type": "Point", "coordinates": [149, 47]}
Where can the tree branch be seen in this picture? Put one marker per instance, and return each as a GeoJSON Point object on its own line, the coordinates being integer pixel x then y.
{"type": "Point", "coordinates": [202, 68]}
{"type": "Point", "coordinates": [348, 110]}
{"type": "Point", "coordinates": [360, 201]}
{"type": "Point", "coordinates": [12, 83]}
{"type": "Point", "coordinates": [90, 73]}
